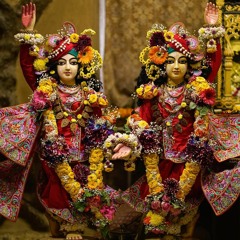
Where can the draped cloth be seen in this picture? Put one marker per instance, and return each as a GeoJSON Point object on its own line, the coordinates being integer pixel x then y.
{"type": "Point", "coordinates": [127, 23]}
{"type": "Point", "coordinates": [18, 132]}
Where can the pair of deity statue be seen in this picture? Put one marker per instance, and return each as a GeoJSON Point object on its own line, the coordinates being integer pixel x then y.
{"type": "Point", "coordinates": [185, 148]}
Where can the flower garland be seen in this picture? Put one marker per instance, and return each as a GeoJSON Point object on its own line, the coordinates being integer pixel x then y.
{"type": "Point", "coordinates": [29, 38]}
{"type": "Point", "coordinates": [210, 33]}
{"type": "Point", "coordinates": [167, 206]}
{"type": "Point", "coordinates": [56, 152]}
{"type": "Point", "coordinates": [166, 199]}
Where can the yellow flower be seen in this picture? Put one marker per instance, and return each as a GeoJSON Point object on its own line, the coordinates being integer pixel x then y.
{"type": "Point", "coordinates": [85, 89]}
{"type": "Point", "coordinates": [142, 124]}
{"type": "Point", "coordinates": [102, 101]}
{"type": "Point", "coordinates": [79, 116]}
{"type": "Point", "coordinates": [40, 64]}
{"type": "Point", "coordinates": [139, 91]}
{"type": "Point", "coordinates": [152, 183]}
{"type": "Point", "coordinates": [93, 98]}
{"type": "Point", "coordinates": [73, 120]}
{"type": "Point", "coordinates": [93, 167]}
{"type": "Point", "coordinates": [200, 79]}
{"type": "Point", "coordinates": [37, 35]}
{"type": "Point", "coordinates": [92, 177]}
{"type": "Point", "coordinates": [27, 37]}
{"type": "Point", "coordinates": [97, 152]}
{"type": "Point", "coordinates": [168, 36]}
{"type": "Point", "coordinates": [86, 102]}
{"type": "Point", "coordinates": [98, 173]}
{"type": "Point", "coordinates": [147, 88]}
{"type": "Point", "coordinates": [83, 84]}
{"type": "Point", "coordinates": [180, 116]}
{"type": "Point", "coordinates": [108, 144]}
{"type": "Point", "coordinates": [168, 124]}
{"type": "Point", "coordinates": [188, 85]}
{"type": "Point", "coordinates": [74, 37]}
{"type": "Point", "coordinates": [183, 104]}
{"type": "Point", "coordinates": [155, 92]}
{"type": "Point", "coordinates": [201, 30]}
{"type": "Point", "coordinates": [65, 114]}
{"type": "Point", "coordinates": [92, 185]}
{"type": "Point", "coordinates": [156, 219]}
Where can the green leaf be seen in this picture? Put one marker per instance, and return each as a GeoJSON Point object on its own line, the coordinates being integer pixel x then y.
{"type": "Point", "coordinates": [203, 111]}
{"type": "Point", "coordinates": [192, 105]}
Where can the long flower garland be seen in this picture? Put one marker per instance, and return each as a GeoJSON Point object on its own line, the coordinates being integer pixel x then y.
{"type": "Point", "coordinates": [92, 198]}
{"type": "Point", "coordinates": [166, 201]}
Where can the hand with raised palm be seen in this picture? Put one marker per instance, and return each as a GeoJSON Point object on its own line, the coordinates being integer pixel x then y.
{"type": "Point", "coordinates": [211, 14]}
{"type": "Point", "coordinates": [121, 151]}
{"type": "Point", "coordinates": [29, 16]}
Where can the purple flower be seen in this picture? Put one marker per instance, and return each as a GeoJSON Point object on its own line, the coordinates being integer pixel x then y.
{"type": "Point", "coordinates": [157, 39]}
{"type": "Point", "coordinates": [83, 42]}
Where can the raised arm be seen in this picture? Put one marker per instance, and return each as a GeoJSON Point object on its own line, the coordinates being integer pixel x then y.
{"type": "Point", "coordinates": [211, 33]}
{"type": "Point", "coordinates": [26, 61]}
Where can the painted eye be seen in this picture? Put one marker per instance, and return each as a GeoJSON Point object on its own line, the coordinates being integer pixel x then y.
{"type": "Point", "coordinates": [170, 61]}
{"type": "Point", "coordinates": [182, 61]}
{"type": "Point", "coordinates": [60, 63]}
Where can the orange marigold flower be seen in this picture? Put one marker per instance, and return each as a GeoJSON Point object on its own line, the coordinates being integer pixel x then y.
{"type": "Point", "coordinates": [157, 55]}
{"type": "Point", "coordinates": [86, 55]}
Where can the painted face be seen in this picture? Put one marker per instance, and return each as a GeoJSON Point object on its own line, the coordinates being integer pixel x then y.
{"type": "Point", "coordinates": [67, 69]}
{"type": "Point", "coordinates": [176, 67]}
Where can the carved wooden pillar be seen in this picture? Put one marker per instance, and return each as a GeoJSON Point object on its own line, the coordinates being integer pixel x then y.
{"type": "Point", "coordinates": [230, 18]}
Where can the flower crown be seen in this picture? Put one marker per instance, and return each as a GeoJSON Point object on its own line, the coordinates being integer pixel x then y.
{"type": "Point", "coordinates": [162, 41]}
{"type": "Point", "coordinates": [68, 41]}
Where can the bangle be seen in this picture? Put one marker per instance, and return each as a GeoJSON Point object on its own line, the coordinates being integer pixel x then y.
{"type": "Point", "coordinates": [29, 38]}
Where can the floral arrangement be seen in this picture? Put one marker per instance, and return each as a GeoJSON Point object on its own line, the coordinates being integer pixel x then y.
{"type": "Point", "coordinates": [210, 33]}
{"type": "Point", "coordinates": [94, 198]}
{"type": "Point", "coordinates": [44, 95]}
{"type": "Point", "coordinates": [96, 132]}
{"type": "Point", "coordinates": [200, 95]}
{"type": "Point", "coordinates": [29, 38]}
{"type": "Point", "coordinates": [166, 199]}
{"type": "Point", "coordinates": [147, 91]}
{"type": "Point", "coordinates": [129, 140]}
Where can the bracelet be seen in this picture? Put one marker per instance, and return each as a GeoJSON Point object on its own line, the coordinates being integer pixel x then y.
{"type": "Point", "coordinates": [211, 32]}
{"type": "Point", "coordinates": [29, 38]}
